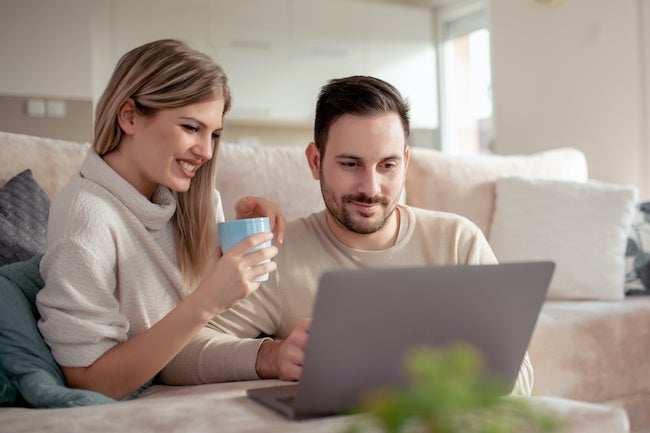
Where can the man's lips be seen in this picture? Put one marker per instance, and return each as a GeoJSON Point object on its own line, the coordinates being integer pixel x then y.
{"type": "Point", "coordinates": [366, 206]}
{"type": "Point", "coordinates": [366, 209]}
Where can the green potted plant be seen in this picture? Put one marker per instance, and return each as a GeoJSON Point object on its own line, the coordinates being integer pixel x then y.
{"type": "Point", "coordinates": [449, 392]}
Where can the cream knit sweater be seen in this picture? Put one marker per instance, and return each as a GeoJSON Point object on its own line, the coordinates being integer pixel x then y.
{"type": "Point", "coordinates": [110, 267]}
{"type": "Point", "coordinates": [227, 348]}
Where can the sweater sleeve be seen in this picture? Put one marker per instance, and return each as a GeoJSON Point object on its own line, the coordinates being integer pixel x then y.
{"type": "Point", "coordinates": [479, 250]}
{"type": "Point", "coordinates": [213, 356]}
{"type": "Point", "coordinates": [80, 315]}
{"type": "Point", "coordinates": [226, 348]}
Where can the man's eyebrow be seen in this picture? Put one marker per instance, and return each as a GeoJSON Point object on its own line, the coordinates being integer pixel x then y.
{"type": "Point", "coordinates": [348, 156]}
{"type": "Point", "coordinates": [358, 158]}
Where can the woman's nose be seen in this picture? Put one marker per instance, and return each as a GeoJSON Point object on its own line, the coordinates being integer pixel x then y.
{"type": "Point", "coordinates": [205, 148]}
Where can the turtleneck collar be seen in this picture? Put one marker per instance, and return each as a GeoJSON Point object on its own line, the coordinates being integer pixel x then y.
{"type": "Point", "coordinates": [153, 214]}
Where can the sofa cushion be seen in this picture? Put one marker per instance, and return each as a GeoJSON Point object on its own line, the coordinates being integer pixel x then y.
{"type": "Point", "coordinates": [582, 227]}
{"type": "Point", "coordinates": [224, 408]}
{"type": "Point", "coordinates": [583, 417]}
{"type": "Point", "coordinates": [53, 162]}
{"type": "Point", "coordinates": [594, 351]}
{"type": "Point", "coordinates": [280, 174]}
{"type": "Point", "coordinates": [24, 209]}
{"type": "Point", "coordinates": [465, 184]}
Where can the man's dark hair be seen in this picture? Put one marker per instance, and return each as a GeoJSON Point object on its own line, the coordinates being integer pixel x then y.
{"type": "Point", "coordinates": [358, 95]}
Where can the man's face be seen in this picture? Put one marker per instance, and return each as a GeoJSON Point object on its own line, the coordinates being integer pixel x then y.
{"type": "Point", "coordinates": [362, 171]}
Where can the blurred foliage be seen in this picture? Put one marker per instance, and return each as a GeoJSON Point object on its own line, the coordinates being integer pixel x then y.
{"type": "Point", "coordinates": [449, 392]}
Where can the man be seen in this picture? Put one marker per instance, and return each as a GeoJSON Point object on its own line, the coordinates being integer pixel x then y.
{"type": "Point", "coordinates": [360, 157]}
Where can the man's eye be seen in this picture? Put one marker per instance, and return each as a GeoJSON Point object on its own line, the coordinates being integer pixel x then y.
{"type": "Point", "coordinates": [349, 164]}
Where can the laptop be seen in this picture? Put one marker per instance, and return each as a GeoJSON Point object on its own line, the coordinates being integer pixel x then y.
{"type": "Point", "coordinates": [365, 320]}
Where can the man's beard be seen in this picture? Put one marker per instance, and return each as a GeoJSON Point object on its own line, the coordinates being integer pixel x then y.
{"type": "Point", "coordinates": [342, 214]}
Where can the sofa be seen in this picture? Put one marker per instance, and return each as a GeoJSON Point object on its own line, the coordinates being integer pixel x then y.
{"type": "Point", "coordinates": [590, 348]}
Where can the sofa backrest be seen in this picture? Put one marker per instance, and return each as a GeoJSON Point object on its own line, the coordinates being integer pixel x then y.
{"type": "Point", "coordinates": [53, 162]}
{"type": "Point", "coordinates": [435, 180]}
{"type": "Point", "coordinates": [280, 174]}
{"type": "Point", "coordinates": [465, 184]}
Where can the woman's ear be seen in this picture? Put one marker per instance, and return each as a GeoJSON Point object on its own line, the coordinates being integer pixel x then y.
{"type": "Point", "coordinates": [126, 116]}
{"type": "Point", "coordinates": [313, 159]}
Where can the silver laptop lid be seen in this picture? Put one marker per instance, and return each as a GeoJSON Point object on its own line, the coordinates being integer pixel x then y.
{"type": "Point", "coordinates": [365, 320]}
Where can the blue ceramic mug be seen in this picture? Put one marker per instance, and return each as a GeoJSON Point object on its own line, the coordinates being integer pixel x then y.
{"type": "Point", "coordinates": [235, 231]}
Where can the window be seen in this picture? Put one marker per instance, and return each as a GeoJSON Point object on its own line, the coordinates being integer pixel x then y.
{"type": "Point", "coordinates": [465, 80]}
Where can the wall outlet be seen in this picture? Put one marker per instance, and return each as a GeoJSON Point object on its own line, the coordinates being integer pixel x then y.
{"type": "Point", "coordinates": [56, 108]}
{"type": "Point", "coordinates": [36, 107]}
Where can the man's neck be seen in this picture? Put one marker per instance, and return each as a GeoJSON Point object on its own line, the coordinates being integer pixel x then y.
{"type": "Point", "coordinates": [382, 239]}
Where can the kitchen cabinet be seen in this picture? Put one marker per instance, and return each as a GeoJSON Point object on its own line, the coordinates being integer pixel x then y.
{"type": "Point", "coordinates": [278, 53]}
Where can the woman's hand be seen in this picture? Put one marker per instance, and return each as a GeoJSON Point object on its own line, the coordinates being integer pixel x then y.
{"type": "Point", "coordinates": [254, 207]}
{"type": "Point", "coordinates": [230, 277]}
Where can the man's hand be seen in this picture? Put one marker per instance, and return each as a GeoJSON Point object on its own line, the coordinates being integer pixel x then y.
{"type": "Point", "coordinates": [283, 358]}
{"type": "Point", "coordinates": [254, 207]}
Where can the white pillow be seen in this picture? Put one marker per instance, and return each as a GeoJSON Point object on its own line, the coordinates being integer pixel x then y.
{"type": "Point", "coordinates": [582, 227]}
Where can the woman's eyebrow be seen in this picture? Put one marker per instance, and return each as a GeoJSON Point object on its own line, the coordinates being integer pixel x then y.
{"type": "Point", "coordinates": [201, 124]}
{"type": "Point", "coordinates": [193, 119]}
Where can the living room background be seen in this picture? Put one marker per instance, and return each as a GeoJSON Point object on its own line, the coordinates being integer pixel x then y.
{"type": "Point", "coordinates": [571, 75]}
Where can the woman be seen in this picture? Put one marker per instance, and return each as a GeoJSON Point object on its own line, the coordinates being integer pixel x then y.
{"type": "Point", "coordinates": [131, 270]}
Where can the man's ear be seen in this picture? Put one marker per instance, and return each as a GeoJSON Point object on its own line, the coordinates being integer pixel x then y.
{"type": "Point", "coordinates": [313, 159]}
{"type": "Point", "coordinates": [407, 157]}
{"type": "Point", "coordinates": [126, 116]}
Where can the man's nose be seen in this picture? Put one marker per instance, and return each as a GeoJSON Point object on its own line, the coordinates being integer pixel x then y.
{"type": "Point", "coordinates": [370, 183]}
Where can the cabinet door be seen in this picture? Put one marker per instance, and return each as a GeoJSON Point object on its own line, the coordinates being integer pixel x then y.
{"type": "Point", "coordinates": [401, 51]}
{"type": "Point", "coordinates": [251, 41]}
{"type": "Point", "coordinates": [328, 42]}
{"type": "Point", "coordinates": [138, 21]}
{"type": "Point", "coordinates": [46, 52]}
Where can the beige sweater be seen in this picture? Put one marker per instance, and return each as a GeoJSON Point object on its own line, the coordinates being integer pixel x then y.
{"type": "Point", "coordinates": [309, 249]}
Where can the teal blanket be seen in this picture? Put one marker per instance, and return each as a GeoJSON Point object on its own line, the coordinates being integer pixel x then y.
{"type": "Point", "coordinates": [28, 373]}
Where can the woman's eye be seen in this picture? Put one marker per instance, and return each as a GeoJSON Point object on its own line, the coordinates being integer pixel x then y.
{"type": "Point", "coordinates": [216, 136]}
{"type": "Point", "coordinates": [191, 128]}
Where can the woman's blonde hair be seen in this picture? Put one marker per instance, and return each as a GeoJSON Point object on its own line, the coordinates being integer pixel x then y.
{"type": "Point", "coordinates": [156, 76]}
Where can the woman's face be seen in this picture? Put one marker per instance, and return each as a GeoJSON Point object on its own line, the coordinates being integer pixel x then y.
{"type": "Point", "coordinates": [168, 147]}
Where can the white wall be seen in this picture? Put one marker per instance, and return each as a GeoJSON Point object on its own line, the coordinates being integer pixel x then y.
{"type": "Point", "coordinates": [573, 76]}
{"type": "Point", "coordinates": [45, 48]}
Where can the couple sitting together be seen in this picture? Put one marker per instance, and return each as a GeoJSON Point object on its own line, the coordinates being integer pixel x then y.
{"type": "Point", "coordinates": [136, 285]}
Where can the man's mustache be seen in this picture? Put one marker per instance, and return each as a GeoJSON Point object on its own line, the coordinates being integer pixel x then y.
{"type": "Point", "coordinates": [363, 198]}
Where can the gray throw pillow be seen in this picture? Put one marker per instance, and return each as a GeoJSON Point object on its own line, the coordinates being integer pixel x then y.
{"type": "Point", "coordinates": [24, 209]}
